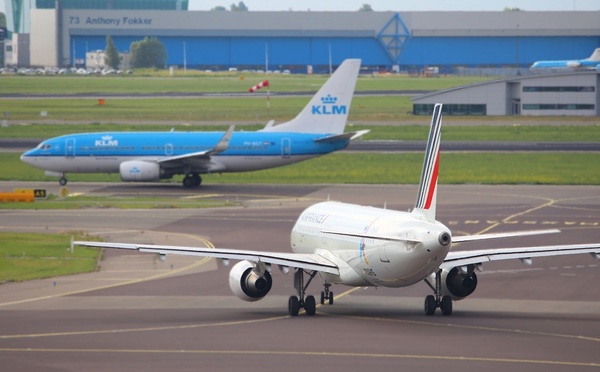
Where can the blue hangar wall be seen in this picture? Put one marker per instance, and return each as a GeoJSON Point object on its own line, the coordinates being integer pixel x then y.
{"type": "Point", "coordinates": [293, 40]}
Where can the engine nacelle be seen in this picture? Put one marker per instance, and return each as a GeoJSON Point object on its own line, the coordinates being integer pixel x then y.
{"type": "Point", "coordinates": [248, 282]}
{"type": "Point", "coordinates": [139, 171]}
{"type": "Point", "coordinates": [459, 283]}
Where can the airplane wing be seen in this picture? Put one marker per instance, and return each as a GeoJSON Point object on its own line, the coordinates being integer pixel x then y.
{"type": "Point", "coordinates": [202, 155]}
{"type": "Point", "coordinates": [463, 258]}
{"type": "Point", "coordinates": [296, 260]}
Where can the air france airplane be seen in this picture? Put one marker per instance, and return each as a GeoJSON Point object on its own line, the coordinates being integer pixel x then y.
{"type": "Point", "coordinates": [364, 246]}
{"type": "Point", "coordinates": [590, 63]}
{"type": "Point", "coordinates": [152, 156]}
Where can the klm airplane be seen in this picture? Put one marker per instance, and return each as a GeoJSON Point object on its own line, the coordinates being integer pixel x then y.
{"type": "Point", "coordinates": [590, 63]}
{"type": "Point", "coordinates": [153, 156]}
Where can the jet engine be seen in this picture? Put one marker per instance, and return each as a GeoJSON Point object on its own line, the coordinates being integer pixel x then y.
{"type": "Point", "coordinates": [139, 171]}
{"type": "Point", "coordinates": [249, 282]}
{"type": "Point", "coordinates": [459, 282]}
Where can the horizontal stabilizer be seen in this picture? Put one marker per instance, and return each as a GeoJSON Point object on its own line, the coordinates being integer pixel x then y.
{"type": "Point", "coordinates": [343, 136]}
{"type": "Point", "coordinates": [471, 238]}
{"type": "Point", "coordinates": [369, 236]}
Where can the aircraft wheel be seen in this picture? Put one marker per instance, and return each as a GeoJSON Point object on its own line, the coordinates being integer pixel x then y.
{"type": "Point", "coordinates": [62, 181]}
{"type": "Point", "coordinates": [430, 305]}
{"type": "Point", "coordinates": [293, 306]}
{"type": "Point", "coordinates": [310, 305]}
{"type": "Point", "coordinates": [322, 298]}
{"type": "Point", "coordinates": [197, 180]}
{"type": "Point", "coordinates": [188, 181]}
{"type": "Point", "coordinates": [330, 298]}
{"type": "Point", "coordinates": [446, 305]}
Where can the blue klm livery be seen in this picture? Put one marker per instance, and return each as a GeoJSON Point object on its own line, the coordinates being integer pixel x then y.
{"type": "Point", "coordinates": [590, 63]}
{"type": "Point", "coordinates": [152, 156]}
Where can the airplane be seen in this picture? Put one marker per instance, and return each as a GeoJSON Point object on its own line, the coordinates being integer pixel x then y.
{"type": "Point", "coordinates": [151, 156]}
{"type": "Point", "coordinates": [365, 246]}
{"type": "Point", "coordinates": [590, 63]}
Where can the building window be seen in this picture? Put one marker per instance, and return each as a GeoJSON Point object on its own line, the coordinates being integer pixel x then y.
{"type": "Point", "coordinates": [558, 106]}
{"type": "Point", "coordinates": [559, 89]}
{"type": "Point", "coordinates": [451, 109]}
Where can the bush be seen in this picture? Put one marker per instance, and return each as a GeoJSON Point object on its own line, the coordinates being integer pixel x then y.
{"type": "Point", "coordinates": [149, 52]}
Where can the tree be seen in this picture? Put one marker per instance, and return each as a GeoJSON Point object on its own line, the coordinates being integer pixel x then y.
{"type": "Point", "coordinates": [366, 8]}
{"type": "Point", "coordinates": [241, 7]}
{"type": "Point", "coordinates": [149, 52]}
{"type": "Point", "coordinates": [111, 54]}
{"type": "Point", "coordinates": [219, 9]}
{"type": "Point", "coordinates": [507, 9]}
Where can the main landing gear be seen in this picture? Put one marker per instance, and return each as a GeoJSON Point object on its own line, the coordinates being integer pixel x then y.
{"type": "Point", "coordinates": [308, 303]}
{"type": "Point", "coordinates": [192, 180]}
{"type": "Point", "coordinates": [327, 294]}
{"type": "Point", "coordinates": [436, 300]}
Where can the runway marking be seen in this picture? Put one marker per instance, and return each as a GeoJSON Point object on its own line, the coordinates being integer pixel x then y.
{"type": "Point", "coordinates": [310, 353]}
{"type": "Point", "coordinates": [528, 222]}
{"type": "Point", "coordinates": [133, 281]}
{"type": "Point", "coordinates": [202, 196]}
{"type": "Point", "coordinates": [479, 328]}
{"type": "Point", "coordinates": [148, 329]}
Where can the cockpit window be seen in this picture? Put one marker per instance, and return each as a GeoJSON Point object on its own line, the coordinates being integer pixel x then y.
{"type": "Point", "coordinates": [45, 146]}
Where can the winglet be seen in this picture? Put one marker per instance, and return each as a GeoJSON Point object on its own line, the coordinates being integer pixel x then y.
{"type": "Point", "coordinates": [223, 142]}
{"type": "Point", "coordinates": [426, 199]}
{"type": "Point", "coordinates": [221, 146]}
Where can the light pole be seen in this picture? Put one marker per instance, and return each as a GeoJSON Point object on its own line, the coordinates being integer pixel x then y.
{"type": "Point", "coordinates": [184, 59]}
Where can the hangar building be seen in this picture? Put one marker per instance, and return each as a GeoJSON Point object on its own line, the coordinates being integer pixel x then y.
{"type": "Point", "coordinates": [62, 34]}
{"type": "Point", "coordinates": [566, 94]}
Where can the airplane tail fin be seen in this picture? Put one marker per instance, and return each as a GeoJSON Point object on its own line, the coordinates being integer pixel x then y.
{"type": "Point", "coordinates": [327, 111]}
{"type": "Point", "coordinates": [426, 199]}
{"type": "Point", "coordinates": [595, 56]}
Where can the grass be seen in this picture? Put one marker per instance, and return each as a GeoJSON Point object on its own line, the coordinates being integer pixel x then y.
{"type": "Point", "coordinates": [26, 256]}
{"type": "Point", "coordinates": [252, 109]}
{"type": "Point", "coordinates": [455, 168]}
{"type": "Point", "coordinates": [194, 82]}
{"type": "Point", "coordinates": [375, 168]}
{"type": "Point", "coordinates": [513, 133]}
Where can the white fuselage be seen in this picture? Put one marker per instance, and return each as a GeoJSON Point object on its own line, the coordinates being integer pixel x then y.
{"type": "Point", "coordinates": [413, 254]}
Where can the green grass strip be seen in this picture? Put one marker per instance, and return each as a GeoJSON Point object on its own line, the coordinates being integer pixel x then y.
{"type": "Point", "coordinates": [26, 256]}
{"type": "Point", "coordinates": [373, 168]}
{"type": "Point", "coordinates": [513, 133]}
{"type": "Point", "coordinates": [160, 82]}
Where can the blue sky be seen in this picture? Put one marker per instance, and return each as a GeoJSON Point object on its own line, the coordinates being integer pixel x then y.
{"type": "Point", "coordinates": [398, 5]}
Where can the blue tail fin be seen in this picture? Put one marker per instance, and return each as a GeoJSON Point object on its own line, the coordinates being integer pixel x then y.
{"type": "Point", "coordinates": [327, 111]}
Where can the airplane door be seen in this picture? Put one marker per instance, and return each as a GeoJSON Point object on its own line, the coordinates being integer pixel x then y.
{"type": "Point", "coordinates": [286, 148]}
{"type": "Point", "coordinates": [383, 257]}
{"type": "Point", "coordinates": [70, 147]}
{"type": "Point", "coordinates": [169, 149]}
